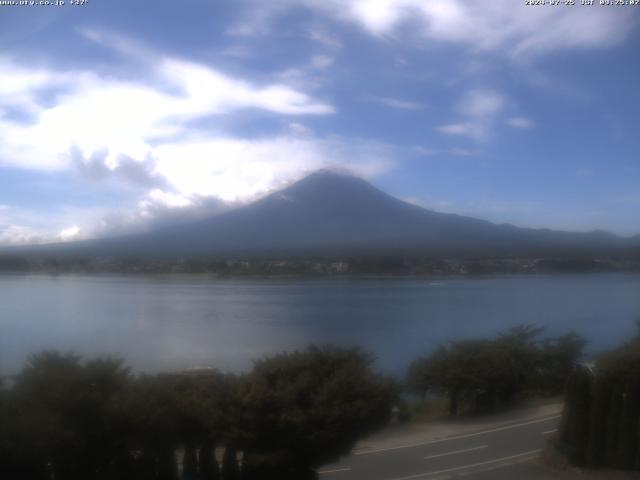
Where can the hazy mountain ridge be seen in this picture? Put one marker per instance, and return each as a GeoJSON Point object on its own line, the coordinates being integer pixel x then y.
{"type": "Point", "coordinates": [328, 213]}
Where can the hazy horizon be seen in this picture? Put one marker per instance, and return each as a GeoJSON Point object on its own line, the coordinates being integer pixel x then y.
{"type": "Point", "coordinates": [502, 112]}
{"type": "Point", "coordinates": [323, 173]}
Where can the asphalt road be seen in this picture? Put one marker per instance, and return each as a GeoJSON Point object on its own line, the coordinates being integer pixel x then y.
{"type": "Point", "coordinates": [493, 453]}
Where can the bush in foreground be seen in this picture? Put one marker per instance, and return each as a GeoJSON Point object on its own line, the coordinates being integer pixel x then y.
{"type": "Point", "coordinates": [66, 419]}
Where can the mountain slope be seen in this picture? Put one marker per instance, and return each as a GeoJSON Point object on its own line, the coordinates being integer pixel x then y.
{"type": "Point", "coordinates": [331, 213]}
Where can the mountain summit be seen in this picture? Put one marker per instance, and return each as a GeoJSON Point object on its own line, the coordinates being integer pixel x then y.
{"type": "Point", "coordinates": [338, 214]}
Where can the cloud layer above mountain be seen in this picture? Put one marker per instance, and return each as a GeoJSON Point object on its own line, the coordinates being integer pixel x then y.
{"type": "Point", "coordinates": [120, 117]}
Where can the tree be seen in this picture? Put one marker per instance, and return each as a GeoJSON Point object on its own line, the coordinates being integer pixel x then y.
{"type": "Point", "coordinates": [601, 421]}
{"type": "Point", "coordinates": [190, 462]}
{"type": "Point", "coordinates": [479, 375]}
{"type": "Point", "coordinates": [207, 462]}
{"type": "Point", "coordinates": [70, 419]}
{"type": "Point", "coordinates": [18, 458]}
{"type": "Point", "coordinates": [558, 357]}
{"type": "Point", "coordinates": [71, 423]}
{"type": "Point", "coordinates": [429, 373]}
{"type": "Point", "coordinates": [473, 374]}
{"type": "Point", "coordinates": [575, 423]}
{"type": "Point", "coordinates": [304, 409]}
{"type": "Point", "coordinates": [230, 467]}
{"type": "Point", "coordinates": [519, 359]}
{"type": "Point", "coordinates": [601, 398]}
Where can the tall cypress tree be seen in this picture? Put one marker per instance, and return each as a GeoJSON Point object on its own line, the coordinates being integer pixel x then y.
{"type": "Point", "coordinates": [190, 463]}
{"type": "Point", "coordinates": [207, 460]}
{"type": "Point", "coordinates": [575, 424]}
{"type": "Point", "coordinates": [582, 404]}
{"type": "Point", "coordinates": [598, 422]}
{"type": "Point", "coordinates": [167, 465]}
{"type": "Point", "coordinates": [613, 425]}
{"type": "Point", "coordinates": [230, 467]}
{"type": "Point", "coordinates": [146, 465]}
{"type": "Point", "coordinates": [628, 430]}
{"type": "Point", "coordinates": [567, 424]}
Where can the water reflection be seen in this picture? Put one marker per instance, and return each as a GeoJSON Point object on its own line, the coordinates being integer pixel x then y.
{"type": "Point", "coordinates": [175, 322]}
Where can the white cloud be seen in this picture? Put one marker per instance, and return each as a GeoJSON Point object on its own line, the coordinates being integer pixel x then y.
{"type": "Point", "coordinates": [204, 177]}
{"type": "Point", "coordinates": [478, 130]}
{"type": "Point", "coordinates": [454, 129]}
{"type": "Point", "coordinates": [123, 116]}
{"type": "Point", "coordinates": [321, 61]}
{"type": "Point", "coordinates": [311, 75]}
{"type": "Point", "coordinates": [324, 38]}
{"type": "Point", "coordinates": [500, 25]}
{"type": "Point", "coordinates": [70, 233]}
{"type": "Point", "coordinates": [12, 235]}
{"type": "Point", "coordinates": [123, 44]}
{"type": "Point", "coordinates": [481, 104]}
{"type": "Point", "coordinates": [299, 129]}
{"type": "Point", "coordinates": [168, 199]}
{"type": "Point", "coordinates": [397, 103]}
{"type": "Point", "coordinates": [137, 172]}
{"type": "Point", "coordinates": [18, 83]}
{"type": "Point", "coordinates": [479, 107]}
{"type": "Point", "coordinates": [236, 169]}
{"type": "Point", "coordinates": [144, 131]}
{"type": "Point", "coordinates": [521, 122]}
{"type": "Point", "coordinates": [18, 235]}
{"type": "Point", "coordinates": [20, 225]}
{"type": "Point", "coordinates": [210, 92]}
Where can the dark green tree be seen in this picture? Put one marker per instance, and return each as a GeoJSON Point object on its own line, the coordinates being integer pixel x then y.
{"type": "Point", "coordinates": [605, 403]}
{"type": "Point", "coordinates": [575, 425]}
{"type": "Point", "coordinates": [481, 375]}
{"type": "Point", "coordinates": [230, 467]}
{"type": "Point", "coordinates": [190, 462]}
{"type": "Point", "coordinates": [208, 465]}
{"type": "Point", "coordinates": [601, 398]}
{"type": "Point", "coordinates": [629, 426]}
{"type": "Point", "coordinates": [304, 409]}
{"type": "Point", "coordinates": [70, 413]}
{"type": "Point", "coordinates": [558, 357]}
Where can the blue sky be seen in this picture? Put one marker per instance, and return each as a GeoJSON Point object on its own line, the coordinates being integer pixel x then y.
{"type": "Point", "coordinates": [116, 116]}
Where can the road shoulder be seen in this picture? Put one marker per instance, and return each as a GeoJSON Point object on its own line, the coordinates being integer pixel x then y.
{"type": "Point", "coordinates": [407, 435]}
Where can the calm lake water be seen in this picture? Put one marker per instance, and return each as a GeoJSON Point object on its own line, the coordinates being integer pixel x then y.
{"type": "Point", "coordinates": [160, 323]}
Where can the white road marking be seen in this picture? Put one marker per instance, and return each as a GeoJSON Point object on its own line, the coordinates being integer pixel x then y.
{"type": "Point", "coordinates": [550, 431]}
{"type": "Point", "coordinates": [337, 470]}
{"type": "Point", "coordinates": [458, 437]}
{"type": "Point", "coordinates": [472, 465]}
{"type": "Point", "coordinates": [456, 452]}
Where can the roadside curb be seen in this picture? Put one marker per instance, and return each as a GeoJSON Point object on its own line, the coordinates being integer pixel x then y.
{"type": "Point", "coordinates": [448, 432]}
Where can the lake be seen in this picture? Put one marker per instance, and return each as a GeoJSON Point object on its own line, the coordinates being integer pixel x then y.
{"type": "Point", "coordinates": [159, 323]}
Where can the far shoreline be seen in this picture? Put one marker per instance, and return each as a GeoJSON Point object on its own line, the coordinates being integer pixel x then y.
{"type": "Point", "coordinates": [305, 275]}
